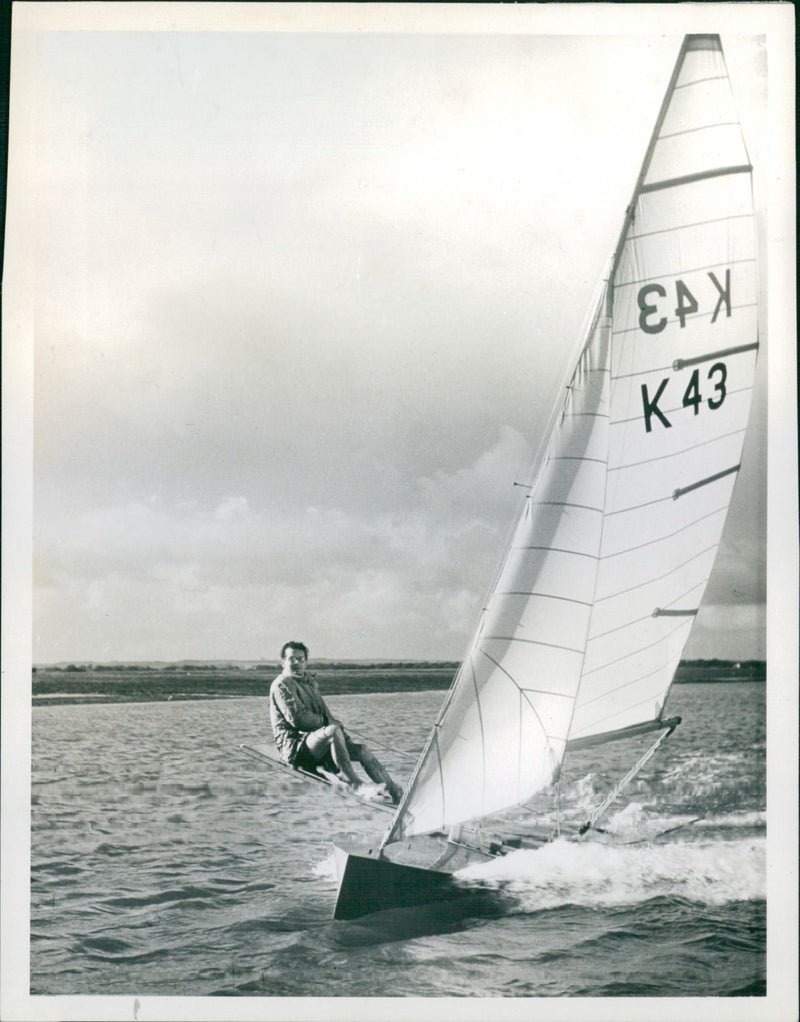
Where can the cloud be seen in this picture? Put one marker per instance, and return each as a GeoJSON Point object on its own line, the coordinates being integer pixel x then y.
{"type": "Point", "coordinates": [308, 296]}
{"type": "Point", "coordinates": [409, 580]}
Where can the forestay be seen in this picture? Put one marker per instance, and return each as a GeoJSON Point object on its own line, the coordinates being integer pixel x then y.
{"type": "Point", "coordinates": [610, 558]}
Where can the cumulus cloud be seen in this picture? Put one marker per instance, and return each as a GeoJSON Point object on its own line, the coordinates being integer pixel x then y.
{"type": "Point", "coordinates": [388, 576]}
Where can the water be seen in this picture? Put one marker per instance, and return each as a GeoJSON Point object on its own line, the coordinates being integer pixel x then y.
{"type": "Point", "coordinates": [164, 862]}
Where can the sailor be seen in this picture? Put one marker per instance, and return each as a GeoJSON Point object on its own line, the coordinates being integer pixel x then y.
{"type": "Point", "coordinates": [307, 734]}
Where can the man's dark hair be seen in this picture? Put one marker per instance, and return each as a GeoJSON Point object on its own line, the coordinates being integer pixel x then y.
{"type": "Point", "coordinates": [293, 645]}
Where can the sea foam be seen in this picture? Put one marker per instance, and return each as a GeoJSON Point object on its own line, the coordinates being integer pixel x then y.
{"type": "Point", "coordinates": [566, 872]}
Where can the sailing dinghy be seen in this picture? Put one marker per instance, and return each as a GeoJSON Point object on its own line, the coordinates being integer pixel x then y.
{"type": "Point", "coordinates": [583, 631]}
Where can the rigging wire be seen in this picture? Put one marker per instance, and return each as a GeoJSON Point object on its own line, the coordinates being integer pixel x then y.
{"type": "Point", "coordinates": [558, 805]}
{"type": "Point", "coordinates": [595, 816]}
{"type": "Point", "coordinates": [380, 745]}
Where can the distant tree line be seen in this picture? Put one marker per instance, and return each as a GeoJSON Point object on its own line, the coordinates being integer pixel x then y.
{"type": "Point", "coordinates": [745, 666]}
{"type": "Point", "coordinates": [264, 666]}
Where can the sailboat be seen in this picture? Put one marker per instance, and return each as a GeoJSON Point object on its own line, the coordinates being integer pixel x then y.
{"type": "Point", "coordinates": [580, 638]}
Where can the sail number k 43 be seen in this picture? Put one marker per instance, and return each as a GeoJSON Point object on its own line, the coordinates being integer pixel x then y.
{"type": "Point", "coordinates": [692, 398]}
{"type": "Point", "coordinates": [650, 318]}
{"type": "Point", "coordinates": [651, 300]}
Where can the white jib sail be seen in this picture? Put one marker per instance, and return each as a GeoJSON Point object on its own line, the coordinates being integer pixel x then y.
{"type": "Point", "coordinates": [610, 558]}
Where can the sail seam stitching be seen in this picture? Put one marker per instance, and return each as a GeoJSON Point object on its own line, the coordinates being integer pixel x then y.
{"type": "Point", "coordinates": [684, 270]}
{"type": "Point", "coordinates": [690, 226]}
{"type": "Point", "coordinates": [674, 454]}
{"type": "Point", "coordinates": [549, 596]}
{"type": "Point", "coordinates": [631, 624]}
{"type": "Point", "coordinates": [535, 712]}
{"type": "Point", "coordinates": [700, 127]}
{"type": "Point", "coordinates": [550, 550]}
{"type": "Point", "coordinates": [566, 503]}
{"type": "Point", "coordinates": [627, 684]}
{"type": "Point", "coordinates": [701, 81]}
{"type": "Point", "coordinates": [546, 692]}
{"type": "Point", "coordinates": [634, 681]}
{"type": "Point", "coordinates": [635, 652]}
{"type": "Point", "coordinates": [574, 457]}
{"type": "Point", "coordinates": [657, 578]}
{"type": "Point", "coordinates": [531, 642]}
{"type": "Point", "coordinates": [663, 539]}
{"type": "Point", "coordinates": [638, 507]}
{"type": "Point", "coordinates": [683, 596]}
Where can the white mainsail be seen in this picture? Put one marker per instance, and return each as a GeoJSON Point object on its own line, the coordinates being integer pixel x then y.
{"type": "Point", "coordinates": [585, 627]}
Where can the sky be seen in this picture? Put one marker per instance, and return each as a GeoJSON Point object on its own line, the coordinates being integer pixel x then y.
{"type": "Point", "coordinates": [302, 303]}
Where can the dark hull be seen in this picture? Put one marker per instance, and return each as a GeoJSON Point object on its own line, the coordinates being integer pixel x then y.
{"type": "Point", "coordinates": [368, 884]}
{"type": "Point", "coordinates": [409, 873]}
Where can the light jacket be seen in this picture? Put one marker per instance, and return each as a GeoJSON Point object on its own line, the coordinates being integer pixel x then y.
{"type": "Point", "coordinates": [295, 708]}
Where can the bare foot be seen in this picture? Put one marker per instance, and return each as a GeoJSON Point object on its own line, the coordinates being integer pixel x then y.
{"type": "Point", "coordinates": [395, 792]}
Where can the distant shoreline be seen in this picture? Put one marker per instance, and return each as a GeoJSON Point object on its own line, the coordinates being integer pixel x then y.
{"type": "Point", "coordinates": [116, 683]}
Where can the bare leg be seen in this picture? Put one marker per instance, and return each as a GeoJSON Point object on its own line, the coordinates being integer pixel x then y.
{"type": "Point", "coordinates": [332, 738]}
{"type": "Point", "coordinates": [375, 769]}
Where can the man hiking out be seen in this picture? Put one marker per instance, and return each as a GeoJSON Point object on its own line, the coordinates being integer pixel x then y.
{"type": "Point", "coordinates": [307, 734]}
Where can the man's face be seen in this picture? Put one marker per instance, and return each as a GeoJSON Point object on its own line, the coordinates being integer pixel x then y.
{"type": "Point", "coordinates": [294, 662]}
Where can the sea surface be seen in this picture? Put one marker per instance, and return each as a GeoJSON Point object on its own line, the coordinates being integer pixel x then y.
{"type": "Point", "coordinates": [165, 862]}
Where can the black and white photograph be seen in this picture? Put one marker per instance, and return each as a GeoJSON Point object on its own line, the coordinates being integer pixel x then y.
{"type": "Point", "coordinates": [400, 542]}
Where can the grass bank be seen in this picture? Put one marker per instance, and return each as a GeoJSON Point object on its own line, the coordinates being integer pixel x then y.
{"type": "Point", "coordinates": [73, 683]}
